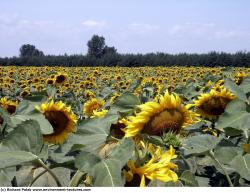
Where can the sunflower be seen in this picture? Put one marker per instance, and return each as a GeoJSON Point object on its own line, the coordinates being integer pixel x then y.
{"type": "Point", "coordinates": [25, 93]}
{"type": "Point", "coordinates": [99, 113]}
{"type": "Point", "coordinates": [62, 119]}
{"type": "Point", "coordinates": [116, 129]}
{"type": "Point", "coordinates": [168, 114]}
{"type": "Point", "coordinates": [91, 105]}
{"type": "Point", "coordinates": [8, 105]}
{"type": "Point", "coordinates": [239, 77]}
{"type": "Point", "coordinates": [158, 166]}
{"type": "Point", "coordinates": [89, 94]}
{"type": "Point", "coordinates": [211, 105]}
{"type": "Point", "coordinates": [60, 79]}
{"type": "Point", "coordinates": [50, 81]}
{"type": "Point", "coordinates": [114, 97]}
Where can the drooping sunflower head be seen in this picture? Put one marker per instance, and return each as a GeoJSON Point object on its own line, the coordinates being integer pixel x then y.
{"type": "Point", "coordinates": [168, 114]}
{"type": "Point", "coordinates": [211, 105]}
{"type": "Point", "coordinates": [8, 105]}
{"type": "Point", "coordinates": [62, 119]}
{"type": "Point", "coordinates": [91, 105]}
{"type": "Point", "coordinates": [155, 165]}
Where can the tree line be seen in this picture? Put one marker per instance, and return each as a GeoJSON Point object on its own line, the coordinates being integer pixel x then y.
{"type": "Point", "coordinates": [99, 54]}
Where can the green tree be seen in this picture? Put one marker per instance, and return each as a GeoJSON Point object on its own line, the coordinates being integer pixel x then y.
{"type": "Point", "coordinates": [96, 46]}
{"type": "Point", "coordinates": [30, 50]}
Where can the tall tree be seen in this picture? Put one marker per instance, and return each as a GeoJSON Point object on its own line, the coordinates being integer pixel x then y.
{"type": "Point", "coordinates": [30, 50]}
{"type": "Point", "coordinates": [96, 46]}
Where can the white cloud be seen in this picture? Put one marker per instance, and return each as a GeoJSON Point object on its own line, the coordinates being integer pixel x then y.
{"type": "Point", "coordinates": [144, 27]}
{"type": "Point", "coordinates": [141, 28]}
{"type": "Point", "coordinates": [14, 22]}
{"type": "Point", "coordinates": [93, 24]}
{"type": "Point", "coordinates": [192, 28]}
{"type": "Point", "coordinates": [208, 30]}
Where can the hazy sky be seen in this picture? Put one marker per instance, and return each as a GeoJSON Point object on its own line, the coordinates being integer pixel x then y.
{"type": "Point", "coordinates": [131, 26]}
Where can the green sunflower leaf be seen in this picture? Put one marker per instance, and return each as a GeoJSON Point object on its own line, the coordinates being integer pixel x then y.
{"type": "Point", "coordinates": [189, 179]}
{"type": "Point", "coordinates": [46, 127]}
{"type": "Point", "coordinates": [225, 154]}
{"type": "Point", "coordinates": [13, 158]}
{"type": "Point", "coordinates": [23, 144]}
{"type": "Point", "coordinates": [25, 107]}
{"type": "Point", "coordinates": [230, 85]}
{"type": "Point", "coordinates": [199, 144]}
{"type": "Point", "coordinates": [4, 119]}
{"type": "Point", "coordinates": [92, 133]}
{"type": "Point", "coordinates": [6, 175]}
{"type": "Point", "coordinates": [245, 85]}
{"type": "Point", "coordinates": [124, 104]}
{"type": "Point", "coordinates": [123, 152]}
{"type": "Point", "coordinates": [241, 164]}
{"type": "Point", "coordinates": [107, 171]}
{"type": "Point", "coordinates": [236, 106]}
{"type": "Point", "coordinates": [237, 120]}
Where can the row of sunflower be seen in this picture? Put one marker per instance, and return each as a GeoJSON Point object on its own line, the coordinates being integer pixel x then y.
{"type": "Point", "coordinates": [124, 127]}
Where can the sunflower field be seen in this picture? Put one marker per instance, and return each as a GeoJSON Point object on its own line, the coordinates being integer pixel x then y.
{"type": "Point", "coordinates": [143, 126]}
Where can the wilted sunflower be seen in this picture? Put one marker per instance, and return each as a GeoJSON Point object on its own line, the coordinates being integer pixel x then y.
{"type": "Point", "coordinates": [158, 166]}
{"type": "Point", "coordinates": [211, 105]}
{"type": "Point", "coordinates": [91, 105]}
{"type": "Point", "coordinates": [156, 117]}
{"type": "Point", "coordinates": [8, 105]}
{"type": "Point", "coordinates": [62, 119]}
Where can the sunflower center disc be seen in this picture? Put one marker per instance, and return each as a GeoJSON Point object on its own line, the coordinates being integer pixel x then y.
{"type": "Point", "coordinates": [11, 109]}
{"type": "Point", "coordinates": [170, 119]}
{"type": "Point", "coordinates": [1, 120]}
{"type": "Point", "coordinates": [60, 79]}
{"type": "Point", "coordinates": [58, 120]}
{"type": "Point", "coordinates": [215, 106]}
{"type": "Point", "coordinates": [135, 182]}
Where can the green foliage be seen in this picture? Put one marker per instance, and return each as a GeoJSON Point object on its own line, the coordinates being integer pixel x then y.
{"type": "Point", "coordinates": [107, 171]}
{"type": "Point", "coordinates": [230, 85]}
{"type": "Point", "coordinates": [96, 46]}
{"type": "Point", "coordinates": [92, 156]}
{"type": "Point", "coordinates": [241, 164]}
{"type": "Point", "coordinates": [188, 178]}
{"type": "Point", "coordinates": [29, 50]}
{"type": "Point", "coordinates": [201, 144]}
{"type": "Point", "coordinates": [235, 119]}
{"type": "Point", "coordinates": [101, 55]}
{"type": "Point", "coordinates": [245, 85]}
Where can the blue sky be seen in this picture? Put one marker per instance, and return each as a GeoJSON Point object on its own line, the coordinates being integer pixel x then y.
{"type": "Point", "coordinates": [131, 26]}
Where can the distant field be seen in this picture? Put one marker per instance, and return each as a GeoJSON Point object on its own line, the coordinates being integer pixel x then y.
{"type": "Point", "coordinates": [145, 126]}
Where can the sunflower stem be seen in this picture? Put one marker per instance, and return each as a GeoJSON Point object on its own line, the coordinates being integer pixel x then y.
{"type": "Point", "coordinates": [38, 176]}
{"type": "Point", "coordinates": [211, 154]}
{"type": "Point", "coordinates": [50, 172]}
{"type": "Point", "coordinates": [76, 178]}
